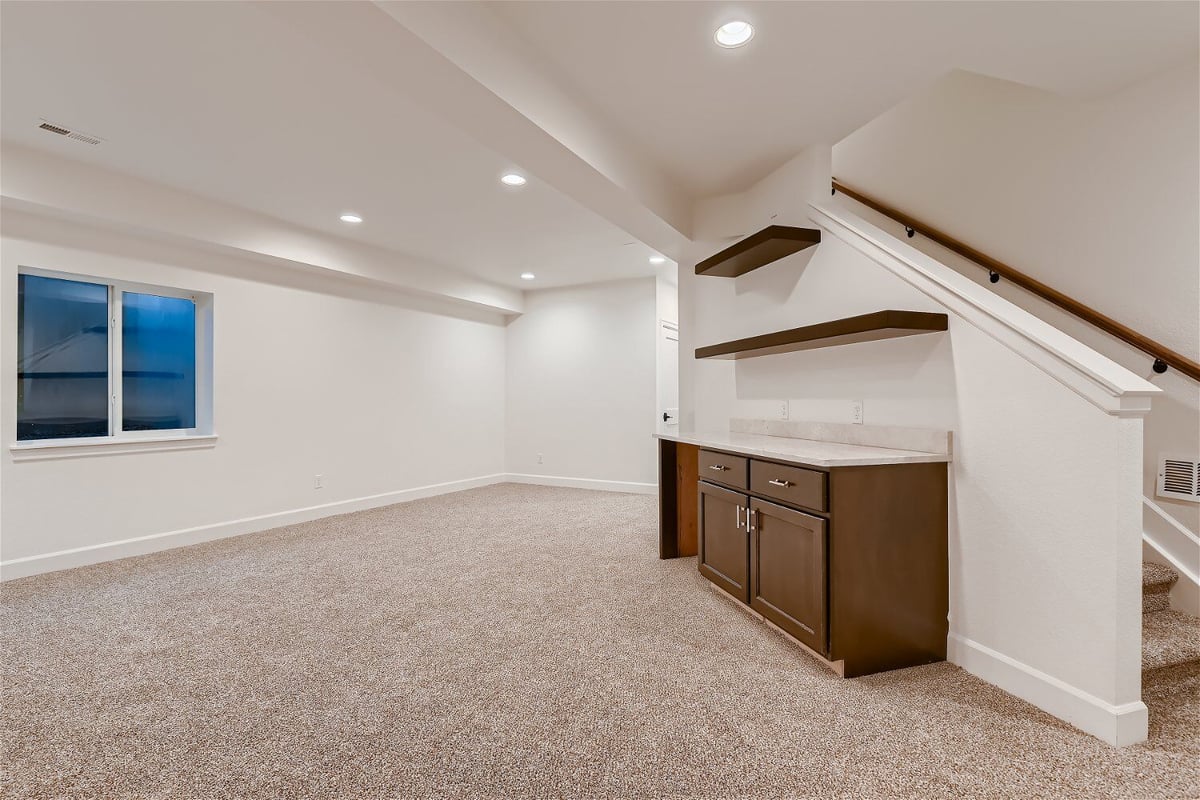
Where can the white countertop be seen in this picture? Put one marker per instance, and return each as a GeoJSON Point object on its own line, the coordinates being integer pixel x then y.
{"type": "Point", "coordinates": [802, 451]}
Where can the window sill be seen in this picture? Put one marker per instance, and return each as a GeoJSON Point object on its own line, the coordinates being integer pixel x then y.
{"type": "Point", "coordinates": [44, 449]}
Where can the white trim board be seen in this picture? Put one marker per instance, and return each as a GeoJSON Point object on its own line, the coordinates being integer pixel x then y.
{"type": "Point", "coordinates": [143, 545]}
{"type": "Point", "coordinates": [632, 487]}
{"type": "Point", "coordinates": [1185, 594]}
{"type": "Point", "coordinates": [1185, 574]}
{"type": "Point", "coordinates": [1183, 541]}
{"type": "Point", "coordinates": [168, 540]}
{"type": "Point", "coordinates": [46, 449]}
{"type": "Point", "coordinates": [1118, 725]}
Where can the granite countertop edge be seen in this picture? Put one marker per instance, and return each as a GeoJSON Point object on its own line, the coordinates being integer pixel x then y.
{"type": "Point", "coordinates": [801, 451]}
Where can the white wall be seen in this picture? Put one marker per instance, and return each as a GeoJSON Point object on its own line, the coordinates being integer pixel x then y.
{"type": "Point", "coordinates": [667, 300]}
{"type": "Point", "coordinates": [581, 384]}
{"type": "Point", "coordinates": [666, 361]}
{"type": "Point", "coordinates": [1098, 199]}
{"type": "Point", "coordinates": [377, 391]}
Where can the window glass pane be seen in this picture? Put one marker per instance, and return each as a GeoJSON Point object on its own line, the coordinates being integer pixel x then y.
{"type": "Point", "coordinates": [62, 358]}
{"type": "Point", "coordinates": [158, 362]}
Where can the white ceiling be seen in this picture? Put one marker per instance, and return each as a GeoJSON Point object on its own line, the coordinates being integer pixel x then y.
{"type": "Point", "coordinates": [719, 120]}
{"type": "Point", "coordinates": [222, 100]}
{"type": "Point", "coordinates": [303, 111]}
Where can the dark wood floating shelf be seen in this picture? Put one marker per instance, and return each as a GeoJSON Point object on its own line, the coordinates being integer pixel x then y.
{"type": "Point", "coordinates": [863, 328]}
{"type": "Point", "coordinates": [758, 250]}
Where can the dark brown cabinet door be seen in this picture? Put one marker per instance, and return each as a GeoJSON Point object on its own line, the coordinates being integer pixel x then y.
{"type": "Point", "coordinates": [788, 571]}
{"type": "Point", "coordinates": [724, 556]}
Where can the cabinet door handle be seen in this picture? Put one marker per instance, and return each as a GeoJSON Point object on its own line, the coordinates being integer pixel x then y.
{"type": "Point", "coordinates": [739, 517]}
{"type": "Point", "coordinates": [784, 484]}
{"type": "Point", "coordinates": [718, 467]}
{"type": "Point", "coordinates": [750, 520]}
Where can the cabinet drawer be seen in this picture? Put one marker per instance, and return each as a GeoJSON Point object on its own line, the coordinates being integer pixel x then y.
{"type": "Point", "coordinates": [793, 485]}
{"type": "Point", "coordinates": [723, 468]}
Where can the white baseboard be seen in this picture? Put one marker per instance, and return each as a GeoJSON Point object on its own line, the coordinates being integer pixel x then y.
{"type": "Point", "coordinates": [109, 551]}
{"type": "Point", "coordinates": [1119, 725]}
{"type": "Point", "coordinates": [583, 483]}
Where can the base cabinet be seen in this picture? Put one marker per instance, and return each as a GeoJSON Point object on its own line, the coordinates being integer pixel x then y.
{"type": "Point", "coordinates": [724, 548]}
{"type": "Point", "coordinates": [850, 561]}
{"type": "Point", "coordinates": [788, 575]}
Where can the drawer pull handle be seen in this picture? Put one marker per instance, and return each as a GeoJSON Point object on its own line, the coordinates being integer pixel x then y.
{"type": "Point", "coordinates": [784, 484]}
{"type": "Point", "coordinates": [718, 467]}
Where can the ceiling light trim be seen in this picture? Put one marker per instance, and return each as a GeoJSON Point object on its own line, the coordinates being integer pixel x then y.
{"type": "Point", "coordinates": [735, 33]}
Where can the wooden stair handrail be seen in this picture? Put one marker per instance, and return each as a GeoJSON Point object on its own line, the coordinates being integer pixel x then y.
{"type": "Point", "coordinates": [1163, 356]}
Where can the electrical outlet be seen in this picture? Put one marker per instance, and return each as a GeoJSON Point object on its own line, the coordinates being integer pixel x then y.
{"type": "Point", "coordinates": [539, 458]}
{"type": "Point", "coordinates": [856, 412]}
{"type": "Point", "coordinates": [783, 409]}
{"type": "Point", "coordinates": [318, 481]}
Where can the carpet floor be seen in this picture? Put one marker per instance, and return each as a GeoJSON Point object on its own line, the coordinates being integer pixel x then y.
{"type": "Point", "coordinates": [510, 641]}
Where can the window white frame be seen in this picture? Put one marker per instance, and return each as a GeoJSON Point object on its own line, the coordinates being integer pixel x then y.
{"type": "Point", "coordinates": [203, 429]}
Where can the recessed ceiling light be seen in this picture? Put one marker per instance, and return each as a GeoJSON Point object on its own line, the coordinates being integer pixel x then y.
{"type": "Point", "coordinates": [657, 260]}
{"type": "Point", "coordinates": [512, 179]}
{"type": "Point", "coordinates": [352, 218]}
{"type": "Point", "coordinates": [734, 34]}
{"type": "Point", "coordinates": [527, 276]}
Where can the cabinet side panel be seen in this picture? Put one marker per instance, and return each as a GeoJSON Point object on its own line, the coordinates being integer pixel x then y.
{"type": "Point", "coordinates": [888, 570]}
{"type": "Point", "coordinates": [668, 500]}
{"type": "Point", "coordinates": [686, 460]}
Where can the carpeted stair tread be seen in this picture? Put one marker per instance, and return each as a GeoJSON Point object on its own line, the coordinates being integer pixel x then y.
{"type": "Point", "coordinates": [1157, 578]}
{"type": "Point", "coordinates": [1170, 639]}
{"type": "Point", "coordinates": [1157, 581]}
{"type": "Point", "coordinates": [1155, 602]}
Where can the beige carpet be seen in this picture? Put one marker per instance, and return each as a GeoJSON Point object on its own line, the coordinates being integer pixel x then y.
{"type": "Point", "coordinates": [507, 641]}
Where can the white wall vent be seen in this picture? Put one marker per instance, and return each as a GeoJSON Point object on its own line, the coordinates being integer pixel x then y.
{"type": "Point", "coordinates": [70, 134]}
{"type": "Point", "coordinates": [1179, 478]}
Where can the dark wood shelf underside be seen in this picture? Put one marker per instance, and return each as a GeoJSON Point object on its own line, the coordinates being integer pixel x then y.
{"type": "Point", "coordinates": [851, 330]}
{"type": "Point", "coordinates": [758, 250]}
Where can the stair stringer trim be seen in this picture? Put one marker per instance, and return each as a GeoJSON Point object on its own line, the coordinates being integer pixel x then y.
{"type": "Point", "coordinates": [1185, 594]}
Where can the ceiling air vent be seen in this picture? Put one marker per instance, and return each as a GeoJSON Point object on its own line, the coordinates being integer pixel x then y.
{"type": "Point", "coordinates": [1179, 478]}
{"type": "Point", "coordinates": [70, 134]}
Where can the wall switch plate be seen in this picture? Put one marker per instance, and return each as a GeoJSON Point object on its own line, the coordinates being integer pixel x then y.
{"type": "Point", "coordinates": [783, 409]}
{"type": "Point", "coordinates": [318, 481]}
{"type": "Point", "coordinates": [856, 412]}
